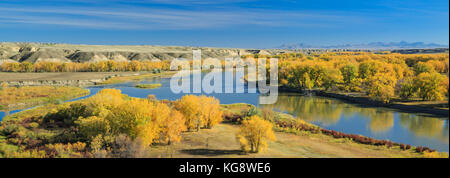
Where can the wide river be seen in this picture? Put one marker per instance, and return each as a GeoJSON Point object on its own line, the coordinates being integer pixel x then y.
{"type": "Point", "coordinates": [379, 123]}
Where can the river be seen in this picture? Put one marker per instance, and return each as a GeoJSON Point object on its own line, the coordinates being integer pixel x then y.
{"type": "Point", "coordinates": [375, 122]}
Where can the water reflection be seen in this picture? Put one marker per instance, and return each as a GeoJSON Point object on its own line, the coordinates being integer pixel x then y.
{"type": "Point", "coordinates": [425, 126]}
{"type": "Point", "coordinates": [309, 108]}
{"type": "Point", "coordinates": [381, 123]}
{"type": "Point", "coordinates": [379, 120]}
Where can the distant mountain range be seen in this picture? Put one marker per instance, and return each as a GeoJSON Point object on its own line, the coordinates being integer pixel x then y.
{"type": "Point", "coordinates": [373, 45]}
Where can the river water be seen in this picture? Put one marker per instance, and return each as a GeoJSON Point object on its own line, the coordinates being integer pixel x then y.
{"type": "Point", "coordinates": [375, 122]}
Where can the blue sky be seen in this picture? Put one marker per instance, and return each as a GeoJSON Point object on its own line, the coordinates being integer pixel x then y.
{"type": "Point", "coordinates": [233, 23]}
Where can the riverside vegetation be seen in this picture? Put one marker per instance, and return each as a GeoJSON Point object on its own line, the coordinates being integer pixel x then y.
{"type": "Point", "coordinates": [384, 77]}
{"type": "Point", "coordinates": [27, 96]}
{"type": "Point", "coordinates": [149, 86]}
{"type": "Point", "coordinates": [102, 66]}
{"type": "Point", "coordinates": [110, 124]}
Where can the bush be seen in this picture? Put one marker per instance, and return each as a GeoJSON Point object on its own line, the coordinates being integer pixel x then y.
{"type": "Point", "coordinates": [68, 115]}
{"type": "Point", "coordinates": [125, 147]}
{"type": "Point", "coordinates": [252, 111]}
{"type": "Point", "coordinates": [402, 146]}
{"type": "Point", "coordinates": [8, 129]}
{"type": "Point", "coordinates": [267, 113]}
{"type": "Point", "coordinates": [419, 149]}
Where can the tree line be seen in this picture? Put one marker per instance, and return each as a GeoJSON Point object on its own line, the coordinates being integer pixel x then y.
{"type": "Point", "coordinates": [381, 76]}
{"type": "Point", "coordinates": [102, 66]}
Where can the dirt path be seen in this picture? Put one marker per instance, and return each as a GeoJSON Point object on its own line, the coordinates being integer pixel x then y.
{"type": "Point", "coordinates": [220, 142]}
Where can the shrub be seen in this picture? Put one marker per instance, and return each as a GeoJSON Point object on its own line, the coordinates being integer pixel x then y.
{"type": "Point", "coordinates": [93, 126]}
{"type": "Point", "coordinates": [267, 113]}
{"type": "Point", "coordinates": [125, 147]}
{"type": "Point", "coordinates": [419, 149]}
{"type": "Point", "coordinates": [402, 146]}
{"type": "Point", "coordinates": [68, 115]}
{"type": "Point", "coordinates": [252, 111]}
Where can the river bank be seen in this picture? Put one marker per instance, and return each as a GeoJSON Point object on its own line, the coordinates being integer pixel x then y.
{"type": "Point", "coordinates": [61, 78]}
{"type": "Point", "coordinates": [220, 141]}
{"type": "Point", "coordinates": [289, 124]}
{"type": "Point", "coordinates": [368, 102]}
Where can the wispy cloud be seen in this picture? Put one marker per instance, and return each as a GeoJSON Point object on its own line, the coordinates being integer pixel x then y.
{"type": "Point", "coordinates": [177, 2]}
{"type": "Point", "coordinates": [130, 17]}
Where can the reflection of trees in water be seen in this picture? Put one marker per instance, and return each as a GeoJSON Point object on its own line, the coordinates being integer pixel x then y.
{"type": "Point", "coordinates": [310, 108]}
{"type": "Point", "coordinates": [425, 126]}
{"type": "Point", "coordinates": [379, 121]}
{"type": "Point", "coordinates": [445, 131]}
{"type": "Point", "coordinates": [328, 112]}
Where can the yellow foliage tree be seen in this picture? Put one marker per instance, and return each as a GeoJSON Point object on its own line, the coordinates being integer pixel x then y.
{"type": "Point", "coordinates": [102, 66]}
{"type": "Point", "coordinates": [134, 118]}
{"type": "Point", "coordinates": [189, 106]}
{"type": "Point", "coordinates": [210, 111]}
{"type": "Point", "coordinates": [254, 134]}
{"type": "Point", "coordinates": [173, 127]}
{"type": "Point", "coordinates": [381, 86]}
{"type": "Point", "coordinates": [431, 86]}
{"type": "Point", "coordinates": [199, 111]}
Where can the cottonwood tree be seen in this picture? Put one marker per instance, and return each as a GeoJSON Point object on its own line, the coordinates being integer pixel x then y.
{"type": "Point", "coordinates": [431, 86]}
{"type": "Point", "coordinates": [381, 86]}
{"type": "Point", "coordinates": [199, 111]}
{"type": "Point", "coordinates": [254, 133]}
{"type": "Point", "coordinates": [173, 127]}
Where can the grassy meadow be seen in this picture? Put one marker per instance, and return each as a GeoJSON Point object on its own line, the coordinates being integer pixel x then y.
{"type": "Point", "coordinates": [29, 96]}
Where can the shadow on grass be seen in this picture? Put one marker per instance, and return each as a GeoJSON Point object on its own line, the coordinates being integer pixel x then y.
{"type": "Point", "coordinates": [212, 152]}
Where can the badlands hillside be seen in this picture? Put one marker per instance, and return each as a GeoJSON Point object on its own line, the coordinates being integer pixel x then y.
{"type": "Point", "coordinates": [35, 52]}
{"type": "Point", "coordinates": [50, 52]}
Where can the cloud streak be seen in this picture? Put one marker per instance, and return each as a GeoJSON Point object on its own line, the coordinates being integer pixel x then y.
{"type": "Point", "coordinates": [129, 17]}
